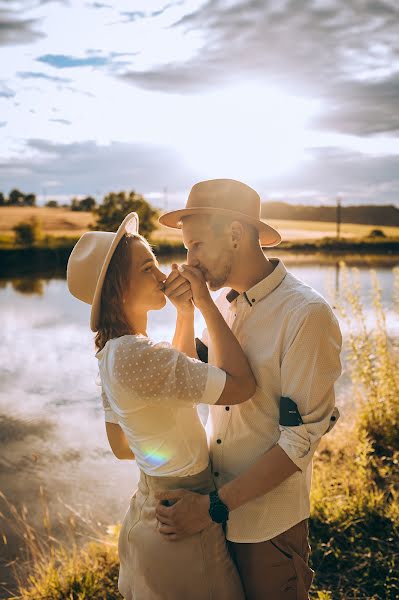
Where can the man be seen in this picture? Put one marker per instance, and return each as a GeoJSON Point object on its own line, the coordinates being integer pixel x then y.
{"type": "Point", "coordinates": [261, 450]}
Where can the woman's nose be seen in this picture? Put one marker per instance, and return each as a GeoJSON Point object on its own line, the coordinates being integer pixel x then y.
{"type": "Point", "coordinates": [160, 275]}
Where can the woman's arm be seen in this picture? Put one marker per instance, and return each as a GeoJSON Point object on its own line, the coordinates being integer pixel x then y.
{"type": "Point", "coordinates": [229, 356]}
{"type": "Point", "coordinates": [178, 290]}
{"type": "Point", "coordinates": [118, 442]}
{"type": "Point", "coordinates": [184, 338]}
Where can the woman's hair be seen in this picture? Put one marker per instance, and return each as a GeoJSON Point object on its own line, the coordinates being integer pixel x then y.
{"type": "Point", "coordinates": [113, 321]}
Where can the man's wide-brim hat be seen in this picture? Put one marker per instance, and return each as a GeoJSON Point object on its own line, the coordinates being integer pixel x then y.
{"type": "Point", "coordinates": [224, 197]}
{"type": "Point", "coordinates": [89, 262]}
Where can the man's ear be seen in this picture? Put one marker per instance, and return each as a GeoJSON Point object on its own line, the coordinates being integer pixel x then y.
{"type": "Point", "coordinates": [237, 232]}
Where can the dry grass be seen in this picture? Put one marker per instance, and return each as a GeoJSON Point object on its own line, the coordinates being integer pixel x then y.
{"type": "Point", "coordinates": [62, 222]}
{"type": "Point", "coordinates": [355, 493]}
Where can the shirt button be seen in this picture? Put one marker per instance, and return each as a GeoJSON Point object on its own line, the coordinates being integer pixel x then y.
{"type": "Point", "coordinates": [219, 441]}
{"type": "Point", "coordinates": [227, 408]}
{"type": "Point", "coordinates": [216, 474]}
{"type": "Point", "coordinates": [253, 300]}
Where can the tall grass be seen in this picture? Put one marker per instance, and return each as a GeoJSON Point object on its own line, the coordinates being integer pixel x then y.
{"type": "Point", "coordinates": [80, 562]}
{"type": "Point", "coordinates": [355, 495]}
{"type": "Point", "coordinates": [354, 521]}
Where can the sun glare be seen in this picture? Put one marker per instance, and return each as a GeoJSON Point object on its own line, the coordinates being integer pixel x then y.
{"type": "Point", "coordinates": [250, 130]}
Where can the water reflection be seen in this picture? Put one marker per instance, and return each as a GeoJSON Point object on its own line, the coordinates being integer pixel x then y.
{"type": "Point", "coordinates": [28, 285]}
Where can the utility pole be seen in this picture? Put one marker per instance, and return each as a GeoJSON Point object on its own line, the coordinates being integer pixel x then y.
{"type": "Point", "coordinates": [165, 199]}
{"type": "Point", "coordinates": [338, 217]}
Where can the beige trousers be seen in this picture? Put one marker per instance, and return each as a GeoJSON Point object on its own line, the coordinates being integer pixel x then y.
{"type": "Point", "coordinates": [278, 568]}
{"type": "Point", "coordinates": [153, 568]}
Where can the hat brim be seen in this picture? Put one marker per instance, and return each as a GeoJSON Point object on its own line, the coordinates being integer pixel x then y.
{"type": "Point", "coordinates": [130, 224]}
{"type": "Point", "coordinates": [268, 236]}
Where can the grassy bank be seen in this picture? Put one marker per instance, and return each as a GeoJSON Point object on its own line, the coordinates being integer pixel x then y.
{"type": "Point", "coordinates": [52, 253]}
{"type": "Point", "coordinates": [354, 521]}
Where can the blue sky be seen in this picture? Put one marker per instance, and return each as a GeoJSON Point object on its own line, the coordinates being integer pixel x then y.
{"type": "Point", "coordinates": [298, 99]}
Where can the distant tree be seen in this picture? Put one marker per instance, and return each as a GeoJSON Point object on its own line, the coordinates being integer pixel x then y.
{"type": "Point", "coordinates": [75, 204]}
{"type": "Point", "coordinates": [116, 206]}
{"type": "Point", "coordinates": [52, 204]}
{"type": "Point", "coordinates": [88, 204]}
{"type": "Point", "coordinates": [27, 233]}
{"type": "Point", "coordinates": [30, 200]}
{"type": "Point", "coordinates": [16, 198]}
{"type": "Point", "coordinates": [3, 201]}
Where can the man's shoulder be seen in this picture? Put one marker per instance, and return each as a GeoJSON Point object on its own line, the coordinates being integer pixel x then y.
{"type": "Point", "coordinates": [301, 296]}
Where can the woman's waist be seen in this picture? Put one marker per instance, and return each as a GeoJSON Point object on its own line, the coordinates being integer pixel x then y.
{"type": "Point", "coordinates": [201, 481]}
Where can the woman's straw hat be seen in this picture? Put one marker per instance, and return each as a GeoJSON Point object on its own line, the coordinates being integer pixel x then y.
{"type": "Point", "coordinates": [224, 197]}
{"type": "Point", "coordinates": [89, 261]}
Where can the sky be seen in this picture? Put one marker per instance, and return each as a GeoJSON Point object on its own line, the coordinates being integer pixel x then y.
{"type": "Point", "coordinates": [299, 99]}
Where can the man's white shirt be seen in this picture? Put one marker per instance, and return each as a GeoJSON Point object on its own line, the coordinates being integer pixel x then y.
{"type": "Point", "coordinates": [292, 339]}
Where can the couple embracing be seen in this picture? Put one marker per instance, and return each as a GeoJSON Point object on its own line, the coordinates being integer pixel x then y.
{"type": "Point", "coordinates": [220, 512]}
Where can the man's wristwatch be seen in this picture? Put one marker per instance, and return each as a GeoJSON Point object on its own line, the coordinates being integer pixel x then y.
{"type": "Point", "coordinates": [218, 510]}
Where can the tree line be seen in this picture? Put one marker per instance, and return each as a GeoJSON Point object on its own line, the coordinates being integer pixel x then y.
{"type": "Point", "coordinates": [361, 214]}
{"type": "Point", "coordinates": [18, 198]}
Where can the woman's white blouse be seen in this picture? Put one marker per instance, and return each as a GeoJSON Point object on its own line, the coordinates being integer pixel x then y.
{"type": "Point", "coordinates": [151, 390]}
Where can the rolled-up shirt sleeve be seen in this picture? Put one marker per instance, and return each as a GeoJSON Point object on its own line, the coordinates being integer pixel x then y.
{"type": "Point", "coordinates": [109, 415]}
{"type": "Point", "coordinates": [309, 370]}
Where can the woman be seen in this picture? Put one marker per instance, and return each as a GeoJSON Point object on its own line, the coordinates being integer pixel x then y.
{"type": "Point", "coordinates": [150, 392]}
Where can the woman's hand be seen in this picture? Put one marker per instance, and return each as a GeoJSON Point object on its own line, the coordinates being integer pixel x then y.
{"type": "Point", "coordinates": [199, 289]}
{"type": "Point", "coordinates": [178, 290]}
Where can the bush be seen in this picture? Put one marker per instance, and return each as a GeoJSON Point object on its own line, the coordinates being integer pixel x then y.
{"type": "Point", "coordinates": [28, 233]}
{"type": "Point", "coordinates": [376, 233]}
{"type": "Point", "coordinates": [52, 204]}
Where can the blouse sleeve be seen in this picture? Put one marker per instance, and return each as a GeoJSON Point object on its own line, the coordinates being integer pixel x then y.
{"type": "Point", "coordinates": [158, 373]}
{"type": "Point", "coordinates": [110, 416]}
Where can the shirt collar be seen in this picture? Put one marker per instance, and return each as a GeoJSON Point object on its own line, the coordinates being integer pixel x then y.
{"type": "Point", "coordinates": [264, 287]}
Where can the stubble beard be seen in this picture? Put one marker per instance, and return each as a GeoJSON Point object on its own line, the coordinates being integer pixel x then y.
{"type": "Point", "coordinates": [216, 281]}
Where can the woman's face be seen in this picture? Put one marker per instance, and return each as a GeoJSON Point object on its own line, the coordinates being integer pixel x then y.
{"type": "Point", "coordinates": [146, 290]}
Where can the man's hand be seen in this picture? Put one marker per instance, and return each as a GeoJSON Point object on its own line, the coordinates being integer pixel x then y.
{"type": "Point", "coordinates": [200, 291]}
{"type": "Point", "coordinates": [189, 514]}
{"type": "Point", "coordinates": [178, 290]}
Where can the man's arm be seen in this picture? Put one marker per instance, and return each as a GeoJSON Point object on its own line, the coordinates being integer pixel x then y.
{"type": "Point", "coordinates": [309, 370]}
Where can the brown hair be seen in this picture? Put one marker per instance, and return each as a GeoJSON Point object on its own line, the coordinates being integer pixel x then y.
{"type": "Point", "coordinates": [113, 322]}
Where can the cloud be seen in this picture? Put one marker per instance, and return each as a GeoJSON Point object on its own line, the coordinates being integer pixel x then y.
{"type": "Point", "coordinates": [88, 168]}
{"type": "Point", "coordinates": [62, 121]}
{"type": "Point", "coordinates": [5, 91]}
{"type": "Point", "coordinates": [99, 5]}
{"type": "Point", "coordinates": [61, 61]}
{"type": "Point", "coordinates": [133, 15]}
{"type": "Point", "coordinates": [345, 53]}
{"type": "Point", "coordinates": [331, 171]}
{"type": "Point", "coordinates": [15, 28]}
{"type": "Point", "coordinates": [37, 75]}
{"type": "Point", "coordinates": [17, 31]}
{"type": "Point", "coordinates": [364, 108]}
